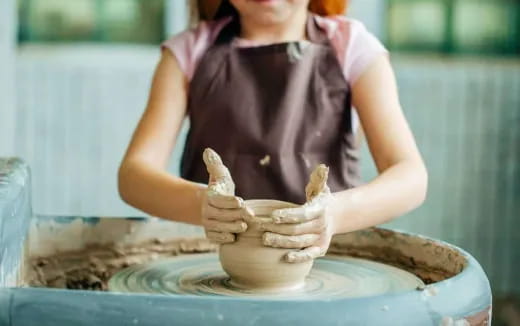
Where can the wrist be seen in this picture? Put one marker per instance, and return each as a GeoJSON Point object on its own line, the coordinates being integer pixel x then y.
{"type": "Point", "coordinates": [344, 211]}
{"type": "Point", "coordinates": [335, 214]}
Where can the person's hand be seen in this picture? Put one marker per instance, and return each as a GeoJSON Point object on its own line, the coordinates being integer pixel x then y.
{"type": "Point", "coordinates": [223, 213]}
{"type": "Point", "coordinates": [308, 226]}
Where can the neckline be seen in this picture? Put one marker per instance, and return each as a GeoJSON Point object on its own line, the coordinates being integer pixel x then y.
{"type": "Point", "coordinates": [230, 34]}
{"type": "Point", "coordinates": [245, 43]}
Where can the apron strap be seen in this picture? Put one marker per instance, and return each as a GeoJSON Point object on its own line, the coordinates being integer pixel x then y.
{"type": "Point", "coordinates": [314, 32]}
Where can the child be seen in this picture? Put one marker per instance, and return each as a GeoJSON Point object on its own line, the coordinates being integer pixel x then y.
{"type": "Point", "coordinates": [269, 84]}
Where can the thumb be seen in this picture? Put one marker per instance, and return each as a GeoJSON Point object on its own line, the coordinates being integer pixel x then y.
{"type": "Point", "coordinates": [317, 182]}
{"type": "Point", "coordinates": [218, 172]}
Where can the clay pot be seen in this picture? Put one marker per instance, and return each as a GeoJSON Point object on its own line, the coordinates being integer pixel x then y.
{"type": "Point", "coordinates": [251, 265]}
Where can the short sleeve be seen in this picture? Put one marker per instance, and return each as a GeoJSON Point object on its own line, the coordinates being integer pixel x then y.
{"type": "Point", "coordinates": [181, 46]}
{"type": "Point", "coordinates": [189, 46]}
{"type": "Point", "coordinates": [360, 48]}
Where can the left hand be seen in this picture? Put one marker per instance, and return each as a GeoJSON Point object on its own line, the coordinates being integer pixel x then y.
{"type": "Point", "coordinates": [309, 226]}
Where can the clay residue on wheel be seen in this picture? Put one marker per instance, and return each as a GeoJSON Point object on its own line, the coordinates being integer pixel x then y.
{"type": "Point", "coordinates": [92, 267]}
{"type": "Point", "coordinates": [430, 260]}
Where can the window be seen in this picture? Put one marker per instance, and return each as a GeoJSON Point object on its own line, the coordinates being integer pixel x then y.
{"type": "Point", "coordinates": [454, 26]}
{"type": "Point", "coordinates": [132, 21]}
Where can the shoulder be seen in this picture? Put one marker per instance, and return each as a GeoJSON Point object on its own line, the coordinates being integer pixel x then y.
{"type": "Point", "coordinates": [355, 45]}
{"type": "Point", "coordinates": [340, 25]}
{"type": "Point", "coordinates": [203, 32]}
{"type": "Point", "coordinates": [189, 46]}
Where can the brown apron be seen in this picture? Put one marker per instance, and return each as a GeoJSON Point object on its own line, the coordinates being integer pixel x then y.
{"type": "Point", "coordinates": [273, 113]}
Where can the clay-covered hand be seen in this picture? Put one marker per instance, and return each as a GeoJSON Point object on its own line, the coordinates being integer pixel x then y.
{"type": "Point", "coordinates": [223, 214]}
{"type": "Point", "coordinates": [308, 226]}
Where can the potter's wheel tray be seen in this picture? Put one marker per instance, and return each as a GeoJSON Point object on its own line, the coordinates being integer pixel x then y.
{"type": "Point", "coordinates": [331, 277]}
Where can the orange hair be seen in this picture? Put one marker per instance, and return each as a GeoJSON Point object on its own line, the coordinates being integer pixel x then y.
{"type": "Point", "coordinates": [207, 9]}
{"type": "Point", "coordinates": [328, 7]}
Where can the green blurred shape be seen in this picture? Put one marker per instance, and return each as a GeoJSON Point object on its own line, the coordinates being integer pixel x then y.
{"type": "Point", "coordinates": [129, 21]}
{"type": "Point", "coordinates": [454, 26]}
{"type": "Point", "coordinates": [486, 26]}
{"type": "Point", "coordinates": [417, 24]}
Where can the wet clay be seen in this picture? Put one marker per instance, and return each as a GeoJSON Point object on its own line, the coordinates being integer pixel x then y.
{"type": "Point", "coordinates": [430, 260]}
{"type": "Point", "coordinates": [92, 267]}
{"type": "Point", "coordinates": [251, 265]}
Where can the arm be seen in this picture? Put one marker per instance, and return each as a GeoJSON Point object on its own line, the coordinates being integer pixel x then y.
{"type": "Point", "coordinates": [143, 180]}
{"type": "Point", "coordinates": [402, 181]}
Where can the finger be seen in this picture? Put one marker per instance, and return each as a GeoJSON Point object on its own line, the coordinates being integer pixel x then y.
{"type": "Point", "coordinates": [289, 241]}
{"type": "Point", "coordinates": [317, 181]}
{"type": "Point", "coordinates": [220, 237]}
{"type": "Point", "coordinates": [221, 186]}
{"type": "Point", "coordinates": [216, 169]}
{"type": "Point", "coordinates": [225, 201]}
{"type": "Point", "coordinates": [217, 226]}
{"type": "Point", "coordinates": [227, 215]}
{"type": "Point", "coordinates": [212, 159]}
{"type": "Point", "coordinates": [314, 226]}
{"type": "Point", "coordinates": [304, 255]}
{"type": "Point", "coordinates": [297, 214]}
{"type": "Point", "coordinates": [317, 250]}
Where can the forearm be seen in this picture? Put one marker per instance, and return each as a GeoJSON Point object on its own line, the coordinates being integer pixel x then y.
{"type": "Point", "coordinates": [397, 190]}
{"type": "Point", "coordinates": [161, 194]}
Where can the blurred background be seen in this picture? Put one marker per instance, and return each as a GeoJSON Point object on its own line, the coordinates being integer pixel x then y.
{"type": "Point", "coordinates": [75, 74]}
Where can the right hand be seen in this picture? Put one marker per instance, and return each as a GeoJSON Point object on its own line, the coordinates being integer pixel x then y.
{"type": "Point", "coordinates": [223, 214]}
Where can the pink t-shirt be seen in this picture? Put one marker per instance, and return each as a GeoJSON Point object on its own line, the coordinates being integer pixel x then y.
{"type": "Point", "coordinates": [355, 46]}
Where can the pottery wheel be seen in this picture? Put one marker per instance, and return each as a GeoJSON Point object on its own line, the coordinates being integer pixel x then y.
{"type": "Point", "coordinates": [201, 274]}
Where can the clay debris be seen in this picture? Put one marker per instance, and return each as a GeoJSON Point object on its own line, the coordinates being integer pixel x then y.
{"type": "Point", "coordinates": [92, 267]}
